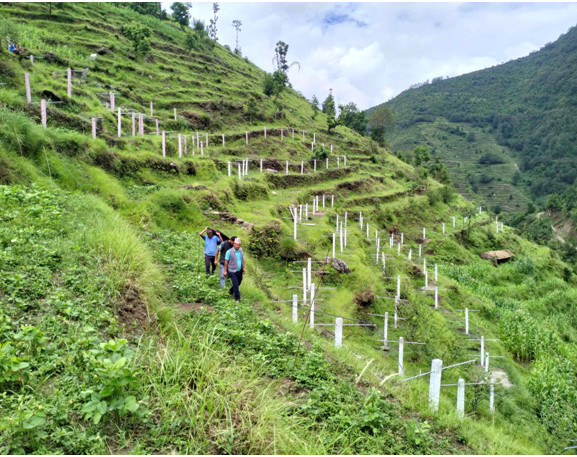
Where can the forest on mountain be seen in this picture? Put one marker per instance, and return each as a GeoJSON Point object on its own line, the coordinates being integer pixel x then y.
{"type": "Point", "coordinates": [529, 105]}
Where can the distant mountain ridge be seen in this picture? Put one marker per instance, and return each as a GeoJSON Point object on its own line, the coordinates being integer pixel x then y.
{"type": "Point", "coordinates": [529, 105]}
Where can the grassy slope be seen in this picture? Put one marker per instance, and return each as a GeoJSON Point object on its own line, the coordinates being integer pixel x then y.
{"type": "Point", "coordinates": [461, 158]}
{"type": "Point", "coordinates": [229, 405]}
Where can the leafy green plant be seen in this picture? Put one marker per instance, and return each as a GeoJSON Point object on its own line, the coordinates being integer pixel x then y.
{"type": "Point", "coordinates": [11, 366]}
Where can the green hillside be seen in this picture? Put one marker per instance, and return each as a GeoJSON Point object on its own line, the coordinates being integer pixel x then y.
{"type": "Point", "coordinates": [528, 106]}
{"type": "Point", "coordinates": [113, 339]}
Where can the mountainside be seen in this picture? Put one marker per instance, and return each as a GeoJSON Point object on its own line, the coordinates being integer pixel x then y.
{"type": "Point", "coordinates": [114, 340]}
{"type": "Point", "coordinates": [528, 106]}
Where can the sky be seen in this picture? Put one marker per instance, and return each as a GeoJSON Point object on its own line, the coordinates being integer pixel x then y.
{"type": "Point", "coordinates": [370, 52]}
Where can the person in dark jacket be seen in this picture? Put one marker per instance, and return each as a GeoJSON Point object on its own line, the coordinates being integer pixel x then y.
{"type": "Point", "coordinates": [235, 267]}
{"type": "Point", "coordinates": [210, 242]}
{"type": "Point", "coordinates": [222, 250]}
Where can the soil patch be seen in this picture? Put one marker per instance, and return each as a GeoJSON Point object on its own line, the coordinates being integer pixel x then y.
{"type": "Point", "coordinates": [132, 311]}
{"type": "Point", "coordinates": [196, 307]}
{"type": "Point", "coordinates": [501, 377]}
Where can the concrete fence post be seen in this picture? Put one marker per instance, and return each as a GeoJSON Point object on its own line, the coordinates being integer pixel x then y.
{"type": "Point", "coordinates": [309, 273]}
{"type": "Point", "coordinates": [426, 279]}
{"type": "Point", "coordinates": [312, 321]}
{"type": "Point", "coordinates": [466, 321]}
{"type": "Point", "coordinates": [338, 162]}
{"type": "Point", "coordinates": [112, 101]}
{"type": "Point", "coordinates": [443, 228]}
{"type": "Point", "coordinates": [197, 141]}
{"type": "Point", "coordinates": [334, 242]}
{"type": "Point", "coordinates": [300, 214]}
{"type": "Point", "coordinates": [337, 222]}
{"type": "Point", "coordinates": [261, 165]}
{"type": "Point", "coordinates": [157, 132]}
{"type": "Point", "coordinates": [315, 168]}
{"type": "Point", "coordinates": [119, 123]}
{"type": "Point", "coordinates": [327, 163]}
{"type": "Point", "coordinates": [69, 76]}
{"type": "Point", "coordinates": [341, 237]}
{"type": "Point", "coordinates": [151, 108]}
{"type": "Point", "coordinates": [179, 145]}
{"type": "Point", "coordinates": [239, 172]}
{"type": "Point", "coordinates": [398, 287]}
{"type": "Point", "coordinates": [293, 134]}
{"type": "Point", "coordinates": [307, 212]}
{"type": "Point", "coordinates": [229, 169]}
{"type": "Point", "coordinates": [487, 362]}
{"type": "Point", "coordinates": [28, 91]}
{"type": "Point", "coordinates": [201, 149]}
{"type": "Point", "coordinates": [265, 133]}
{"type": "Point", "coordinates": [223, 142]}
{"type": "Point", "coordinates": [401, 350]}
{"type": "Point", "coordinates": [482, 351]}
{"type": "Point", "coordinates": [133, 119]}
{"type": "Point", "coordinates": [338, 332]}
{"type": "Point", "coordinates": [304, 286]}
{"type": "Point", "coordinates": [424, 232]}
{"type": "Point", "coordinates": [93, 128]}
{"type": "Point", "coordinates": [345, 237]}
{"type": "Point", "coordinates": [295, 308]}
{"type": "Point", "coordinates": [396, 317]}
{"type": "Point", "coordinates": [453, 221]}
{"type": "Point", "coordinates": [344, 158]}
{"type": "Point", "coordinates": [420, 247]}
{"type": "Point", "coordinates": [332, 200]}
{"type": "Point", "coordinates": [302, 166]}
{"type": "Point", "coordinates": [175, 114]}
{"type": "Point", "coordinates": [436, 298]}
{"type": "Point", "coordinates": [140, 125]}
{"type": "Point", "coordinates": [286, 167]}
{"type": "Point", "coordinates": [402, 238]}
{"type": "Point", "coordinates": [207, 140]}
{"type": "Point", "coordinates": [461, 398]}
{"type": "Point", "coordinates": [314, 137]}
{"type": "Point", "coordinates": [295, 225]}
{"type": "Point", "coordinates": [410, 255]}
{"type": "Point", "coordinates": [436, 273]}
{"type": "Point", "coordinates": [282, 134]}
{"type": "Point", "coordinates": [31, 59]}
{"type": "Point", "coordinates": [163, 143]}
{"type": "Point", "coordinates": [492, 396]}
{"type": "Point", "coordinates": [43, 114]}
{"type": "Point", "coordinates": [323, 194]}
{"type": "Point", "coordinates": [367, 231]}
{"type": "Point", "coordinates": [435, 384]}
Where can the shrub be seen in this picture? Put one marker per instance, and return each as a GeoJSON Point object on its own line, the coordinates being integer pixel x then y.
{"type": "Point", "coordinates": [249, 191]}
{"type": "Point", "coordinates": [490, 158]}
{"type": "Point", "coordinates": [289, 249]}
{"type": "Point", "coordinates": [264, 241]}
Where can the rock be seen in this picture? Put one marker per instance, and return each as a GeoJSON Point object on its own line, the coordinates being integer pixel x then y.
{"type": "Point", "coordinates": [49, 95]}
{"type": "Point", "coordinates": [150, 77]}
{"type": "Point", "coordinates": [270, 170]}
{"type": "Point", "coordinates": [339, 265]}
{"type": "Point", "coordinates": [101, 51]}
{"type": "Point", "coordinates": [191, 187]}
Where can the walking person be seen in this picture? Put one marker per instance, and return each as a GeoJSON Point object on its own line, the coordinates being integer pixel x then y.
{"type": "Point", "coordinates": [210, 243]}
{"type": "Point", "coordinates": [222, 250]}
{"type": "Point", "coordinates": [235, 267]}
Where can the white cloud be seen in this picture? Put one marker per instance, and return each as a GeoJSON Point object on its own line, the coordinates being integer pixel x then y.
{"type": "Point", "coordinates": [369, 52]}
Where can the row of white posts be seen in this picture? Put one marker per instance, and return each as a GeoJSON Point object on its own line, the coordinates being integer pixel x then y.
{"type": "Point", "coordinates": [297, 214]}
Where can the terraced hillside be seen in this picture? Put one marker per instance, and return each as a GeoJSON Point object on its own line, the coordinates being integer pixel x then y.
{"type": "Point", "coordinates": [115, 341]}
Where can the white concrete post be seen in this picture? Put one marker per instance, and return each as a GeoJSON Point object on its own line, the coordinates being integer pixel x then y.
{"type": "Point", "coordinates": [207, 140]}
{"type": "Point", "coordinates": [312, 322]}
{"type": "Point", "coordinates": [367, 231]}
{"type": "Point", "coordinates": [313, 207]}
{"type": "Point", "coordinates": [346, 216]}
{"type": "Point", "coordinates": [361, 219]}
{"type": "Point", "coordinates": [69, 75]}
{"type": "Point", "coordinates": [345, 237]}
{"type": "Point", "coordinates": [466, 321]}
{"type": "Point", "coordinates": [281, 134]}
{"type": "Point", "coordinates": [309, 273]}
{"type": "Point", "coordinates": [420, 246]}
{"type": "Point", "coordinates": [261, 165]}
{"type": "Point", "coordinates": [344, 158]}
{"type": "Point", "coordinates": [293, 134]}
{"type": "Point", "coordinates": [93, 128]}
{"type": "Point", "coordinates": [334, 243]}
{"type": "Point", "coordinates": [386, 328]}
{"type": "Point", "coordinates": [338, 162]}
{"type": "Point", "coordinates": [461, 398]}
{"type": "Point", "coordinates": [315, 165]}
{"type": "Point", "coordinates": [112, 101]}
{"type": "Point", "coordinates": [426, 279]}
{"type": "Point", "coordinates": [133, 117]}
{"type": "Point", "coordinates": [487, 362]}
{"type": "Point", "coordinates": [157, 131]}
{"type": "Point", "coordinates": [332, 200]}
{"type": "Point", "coordinates": [302, 166]}
{"type": "Point", "coordinates": [443, 228]}
{"type": "Point", "coordinates": [140, 125]}
{"type": "Point", "coordinates": [424, 264]}
{"type": "Point", "coordinates": [246, 137]}
{"type": "Point", "coordinates": [337, 222]}
{"type": "Point", "coordinates": [179, 145]}
{"type": "Point", "coordinates": [295, 225]}
{"type": "Point", "coordinates": [383, 260]}
{"type": "Point", "coordinates": [307, 212]}
{"type": "Point", "coordinates": [377, 257]}
{"type": "Point", "coordinates": [436, 273]}
{"type": "Point", "coordinates": [424, 233]}
{"type": "Point", "coordinates": [454, 227]}
{"type": "Point", "coordinates": [398, 287]}
{"type": "Point", "coordinates": [327, 163]}
{"type": "Point", "coordinates": [239, 172]}
{"type": "Point", "coordinates": [303, 135]}
{"type": "Point", "coordinates": [201, 149]}
{"type": "Point", "coordinates": [287, 167]}
{"type": "Point", "coordinates": [304, 286]}
{"type": "Point", "coordinates": [436, 298]}
{"type": "Point", "coordinates": [401, 349]}
{"type": "Point", "coordinates": [43, 112]}
{"type": "Point", "coordinates": [119, 123]}
{"type": "Point", "coordinates": [410, 254]}
{"type": "Point", "coordinates": [151, 108]}
{"type": "Point", "coordinates": [323, 201]}
{"type": "Point", "coordinates": [197, 141]}
{"type": "Point", "coordinates": [492, 396]}
{"type": "Point", "coordinates": [435, 384]}
{"type": "Point", "coordinates": [300, 214]}
{"type": "Point", "coordinates": [295, 308]}
{"type": "Point", "coordinates": [185, 146]}
{"type": "Point", "coordinates": [482, 351]}
{"type": "Point", "coordinates": [314, 137]}
{"type": "Point", "coordinates": [27, 83]}
{"type": "Point", "coordinates": [175, 114]}
{"type": "Point", "coordinates": [341, 237]}
{"type": "Point", "coordinates": [223, 142]}
{"type": "Point", "coordinates": [31, 59]}
{"type": "Point", "coordinates": [163, 143]}
{"type": "Point", "coordinates": [229, 169]}
{"type": "Point", "coordinates": [338, 332]}
{"type": "Point", "coordinates": [402, 238]}
{"type": "Point", "coordinates": [396, 315]}
{"type": "Point", "coordinates": [312, 147]}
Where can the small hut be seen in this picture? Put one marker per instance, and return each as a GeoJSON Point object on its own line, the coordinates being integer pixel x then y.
{"type": "Point", "coordinates": [503, 255]}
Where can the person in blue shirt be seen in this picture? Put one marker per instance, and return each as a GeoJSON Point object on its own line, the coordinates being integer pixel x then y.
{"type": "Point", "coordinates": [235, 267]}
{"type": "Point", "coordinates": [210, 243]}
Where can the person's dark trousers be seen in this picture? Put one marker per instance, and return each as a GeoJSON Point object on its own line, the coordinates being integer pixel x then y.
{"type": "Point", "coordinates": [209, 263]}
{"type": "Point", "coordinates": [236, 279]}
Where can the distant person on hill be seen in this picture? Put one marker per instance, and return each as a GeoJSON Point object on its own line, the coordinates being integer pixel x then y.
{"type": "Point", "coordinates": [235, 267]}
{"type": "Point", "coordinates": [210, 242]}
{"type": "Point", "coordinates": [222, 250]}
